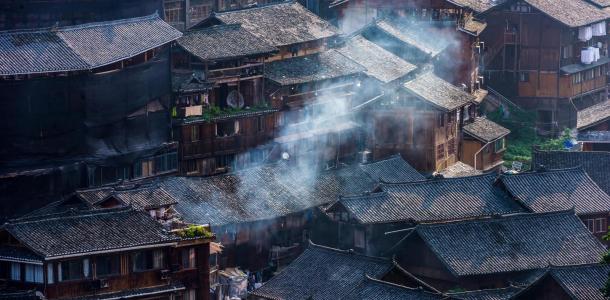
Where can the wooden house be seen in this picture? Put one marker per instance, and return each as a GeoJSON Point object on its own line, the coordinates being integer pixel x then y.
{"type": "Point", "coordinates": [373, 223]}
{"type": "Point", "coordinates": [93, 117]}
{"type": "Point", "coordinates": [426, 123]}
{"type": "Point", "coordinates": [328, 273]}
{"type": "Point", "coordinates": [493, 252]}
{"type": "Point", "coordinates": [103, 254]}
{"type": "Point", "coordinates": [548, 57]}
{"type": "Point", "coordinates": [220, 112]}
{"type": "Point", "coordinates": [316, 96]}
{"type": "Point", "coordinates": [483, 144]}
{"type": "Point", "coordinates": [552, 190]}
{"type": "Point", "coordinates": [287, 25]}
{"type": "Point", "coordinates": [570, 282]}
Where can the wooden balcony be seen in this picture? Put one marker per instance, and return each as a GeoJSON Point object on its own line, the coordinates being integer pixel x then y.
{"type": "Point", "coordinates": [213, 146]}
{"type": "Point", "coordinates": [245, 71]}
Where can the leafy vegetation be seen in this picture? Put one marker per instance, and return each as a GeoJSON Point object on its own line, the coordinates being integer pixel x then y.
{"type": "Point", "coordinates": [194, 231]}
{"type": "Point", "coordinates": [523, 137]}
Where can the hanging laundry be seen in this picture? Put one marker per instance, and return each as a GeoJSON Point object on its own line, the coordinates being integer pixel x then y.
{"type": "Point", "coordinates": [585, 33]}
{"type": "Point", "coordinates": [595, 53]}
{"type": "Point", "coordinates": [599, 29]}
{"type": "Point", "coordinates": [586, 56]}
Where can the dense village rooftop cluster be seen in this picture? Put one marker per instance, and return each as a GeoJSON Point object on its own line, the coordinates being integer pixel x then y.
{"type": "Point", "coordinates": [429, 213]}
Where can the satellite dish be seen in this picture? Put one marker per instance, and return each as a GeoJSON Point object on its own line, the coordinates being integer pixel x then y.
{"type": "Point", "coordinates": [235, 99]}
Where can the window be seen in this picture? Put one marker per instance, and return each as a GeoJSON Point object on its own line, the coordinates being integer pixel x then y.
{"type": "Point", "coordinates": [173, 12]}
{"type": "Point", "coordinates": [499, 145]}
{"type": "Point", "coordinates": [524, 77]}
{"type": "Point", "coordinates": [576, 78]}
{"type": "Point", "coordinates": [188, 258]}
{"type": "Point", "coordinates": [566, 51]}
{"type": "Point", "coordinates": [441, 120]}
{"type": "Point", "coordinates": [147, 260]}
{"type": "Point", "coordinates": [194, 133]}
{"type": "Point", "coordinates": [192, 166]}
{"type": "Point", "coordinates": [50, 277]}
{"type": "Point", "coordinates": [227, 128]}
{"type": "Point", "coordinates": [590, 225]}
{"type": "Point", "coordinates": [451, 147]}
{"type": "Point", "coordinates": [72, 270]}
{"type": "Point", "coordinates": [16, 271]}
{"type": "Point", "coordinates": [294, 50]}
{"type": "Point", "coordinates": [440, 151]}
{"type": "Point", "coordinates": [600, 225]}
{"type": "Point", "coordinates": [359, 239]}
{"type": "Point", "coordinates": [107, 265]}
{"type": "Point", "coordinates": [33, 273]}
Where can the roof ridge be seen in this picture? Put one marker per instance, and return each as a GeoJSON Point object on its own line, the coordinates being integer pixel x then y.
{"type": "Point", "coordinates": [81, 26]}
{"type": "Point", "coordinates": [497, 217]}
{"type": "Point", "coordinates": [72, 215]}
{"type": "Point", "coordinates": [349, 252]}
{"type": "Point", "coordinates": [379, 281]}
{"type": "Point", "coordinates": [538, 171]}
{"type": "Point", "coordinates": [257, 6]}
{"type": "Point", "coordinates": [213, 28]}
{"type": "Point", "coordinates": [434, 180]}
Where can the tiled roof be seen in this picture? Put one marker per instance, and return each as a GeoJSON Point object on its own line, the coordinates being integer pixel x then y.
{"type": "Point", "coordinates": [373, 289]}
{"type": "Point", "coordinates": [593, 115]}
{"type": "Point", "coordinates": [415, 36]}
{"type": "Point", "coordinates": [432, 200]}
{"type": "Point", "coordinates": [489, 294]}
{"type": "Point", "coordinates": [546, 191]}
{"type": "Point", "coordinates": [460, 169]}
{"type": "Point", "coordinates": [20, 295]}
{"type": "Point", "coordinates": [223, 42]}
{"type": "Point", "coordinates": [601, 3]}
{"type": "Point", "coordinates": [379, 63]}
{"type": "Point", "coordinates": [323, 273]}
{"type": "Point", "coordinates": [511, 243]}
{"type": "Point", "coordinates": [582, 282]}
{"type": "Point", "coordinates": [392, 169]}
{"type": "Point", "coordinates": [438, 92]}
{"type": "Point", "coordinates": [262, 192]}
{"type": "Point", "coordinates": [280, 24]}
{"type": "Point", "coordinates": [485, 130]}
{"type": "Point", "coordinates": [572, 13]}
{"type": "Point", "coordinates": [478, 6]}
{"type": "Point", "coordinates": [596, 164]}
{"type": "Point", "coordinates": [189, 82]}
{"type": "Point", "coordinates": [81, 47]}
{"type": "Point", "coordinates": [83, 232]}
{"type": "Point", "coordinates": [20, 254]}
{"type": "Point", "coordinates": [140, 198]}
{"type": "Point", "coordinates": [314, 67]}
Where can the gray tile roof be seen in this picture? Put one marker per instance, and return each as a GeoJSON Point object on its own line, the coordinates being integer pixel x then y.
{"type": "Point", "coordinates": [81, 47]}
{"type": "Point", "coordinates": [323, 273]}
{"type": "Point", "coordinates": [572, 13]}
{"type": "Point", "coordinates": [460, 169]}
{"type": "Point", "coordinates": [392, 169]}
{"type": "Point", "coordinates": [432, 200]}
{"type": "Point", "coordinates": [511, 243]}
{"type": "Point", "coordinates": [314, 67]}
{"type": "Point", "coordinates": [579, 67]}
{"type": "Point", "coordinates": [485, 130]}
{"type": "Point", "coordinates": [596, 164]}
{"type": "Point", "coordinates": [223, 42]}
{"type": "Point", "coordinates": [419, 37]}
{"type": "Point", "coordinates": [379, 63]}
{"type": "Point", "coordinates": [143, 198]}
{"type": "Point", "coordinates": [20, 254]}
{"type": "Point", "coordinates": [556, 190]}
{"type": "Point", "coordinates": [260, 193]}
{"type": "Point", "coordinates": [478, 6]}
{"type": "Point", "coordinates": [438, 92]}
{"type": "Point", "coordinates": [601, 3]}
{"type": "Point", "coordinates": [84, 232]}
{"type": "Point", "coordinates": [166, 290]}
{"type": "Point", "coordinates": [582, 282]}
{"type": "Point", "coordinates": [373, 289]}
{"type": "Point", "coordinates": [489, 294]}
{"type": "Point", "coordinates": [280, 24]}
{"type": "Point", "coordinates": [593, 115]}
{"type": "Point", "coordinates": [20, 295]}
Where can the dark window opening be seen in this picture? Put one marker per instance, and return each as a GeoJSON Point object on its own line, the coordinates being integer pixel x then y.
{"type": "Point", "coordinates": [107, 265]}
